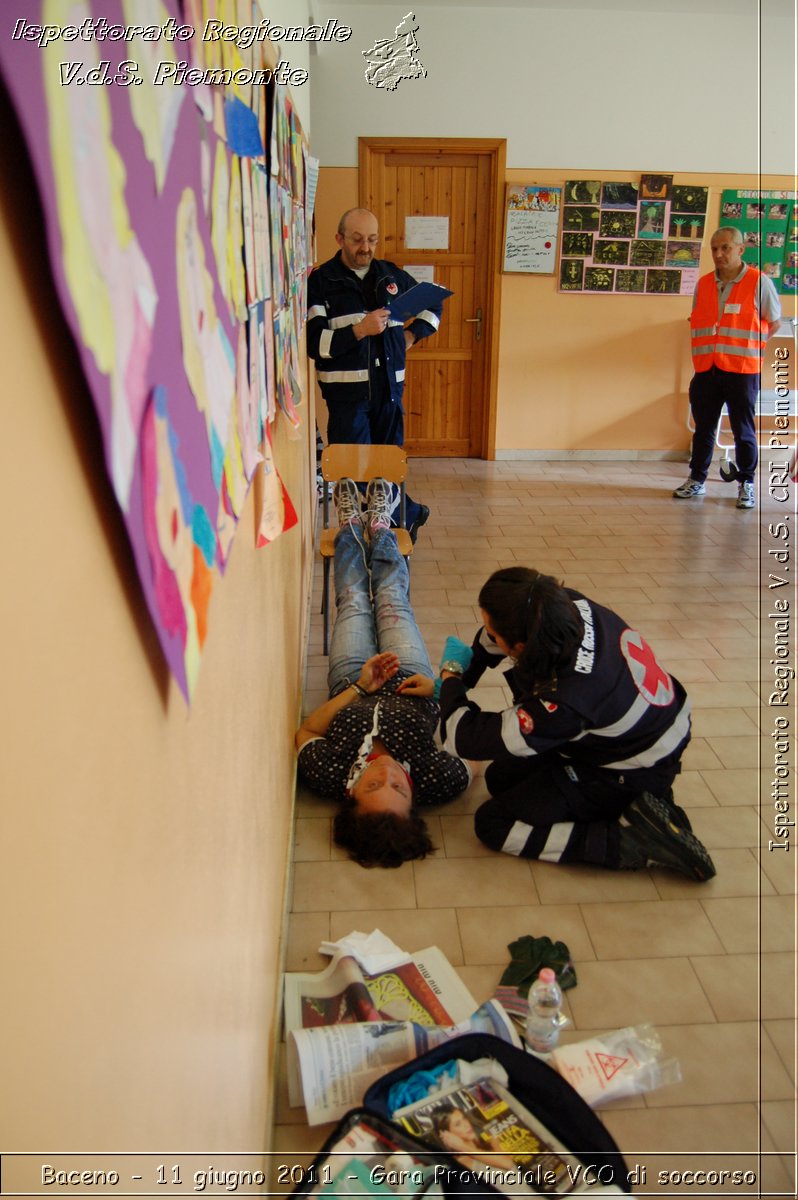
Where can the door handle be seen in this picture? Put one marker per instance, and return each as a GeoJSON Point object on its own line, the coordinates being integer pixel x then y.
{"type": "Point", "coordinates": [477, 320]}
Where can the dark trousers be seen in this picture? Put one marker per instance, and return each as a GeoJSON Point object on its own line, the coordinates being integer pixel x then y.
{"type": "Point", "coordinates": [545, 808]}
{"type": "Point", "coordinates": [709, 391]}
{"type": "Point", "coordinates": [378, 422]}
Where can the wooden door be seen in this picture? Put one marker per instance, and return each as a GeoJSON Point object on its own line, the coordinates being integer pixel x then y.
{"type": "Point", "coordinates": [450, 385]}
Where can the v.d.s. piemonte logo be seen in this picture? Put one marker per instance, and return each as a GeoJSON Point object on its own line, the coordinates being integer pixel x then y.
{"type": "Point", "coordinates": [390, 60]}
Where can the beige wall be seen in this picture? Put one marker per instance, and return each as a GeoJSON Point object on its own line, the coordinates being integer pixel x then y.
{"type": "Point", "coordinates": [144, 845]}
{"type": "Point", "coordinates": [580, 373]}
{"type": "Point", "coordinates": [605, 83]}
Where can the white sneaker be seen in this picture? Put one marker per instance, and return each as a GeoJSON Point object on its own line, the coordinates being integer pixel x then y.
{"type": "Point", "coordinates": [347, 501]}
{"type": "Point", "coordinates": [379, 501]}
{"type": "Point", "coordinates": [745, 495]}
{"type": "Point", "coordinates": [690, 489]}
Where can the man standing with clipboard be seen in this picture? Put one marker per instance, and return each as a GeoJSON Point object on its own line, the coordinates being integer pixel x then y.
{"type": "Point", "coordinates": [359, 345]}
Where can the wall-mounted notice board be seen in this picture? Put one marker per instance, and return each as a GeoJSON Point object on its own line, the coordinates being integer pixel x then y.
{"type": "Point", "coordinates": [768, 222]}
{"type": "Point", "coordinates": [632, 237]}
{"type": "Point", "coordinates": [531, 224]}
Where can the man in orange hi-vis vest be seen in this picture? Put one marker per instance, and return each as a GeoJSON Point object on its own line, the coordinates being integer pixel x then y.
{"type": "Point", "coordinates": [735, 310]}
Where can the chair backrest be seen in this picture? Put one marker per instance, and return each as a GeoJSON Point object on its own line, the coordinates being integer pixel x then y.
{"type": "Point", "coordinates": [362, 463]}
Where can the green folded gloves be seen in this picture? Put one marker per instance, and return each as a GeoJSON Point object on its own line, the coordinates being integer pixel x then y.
{"type": "Point", "coordinates": [529, 955]}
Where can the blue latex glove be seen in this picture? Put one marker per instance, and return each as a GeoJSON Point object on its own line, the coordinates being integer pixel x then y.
{"type": "Point", "coordinates": [457, 651]}
{"type": "Point", "coordinates": [420, 1085]}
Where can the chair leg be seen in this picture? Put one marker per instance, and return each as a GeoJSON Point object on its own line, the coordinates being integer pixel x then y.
{"type": "Point", "coordinates": [325, 603]}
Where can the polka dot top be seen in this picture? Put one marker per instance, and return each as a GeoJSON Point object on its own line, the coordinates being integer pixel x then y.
{"type": "Point", "coordinates": [406, 728]}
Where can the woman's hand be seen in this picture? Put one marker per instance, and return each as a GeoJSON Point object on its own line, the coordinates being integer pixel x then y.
{"type": "Point", "coordinates": [416, 685]}
{"type": "Point", "coordinates": [373, 674]}
{"type": "Point", "coordinates": [378, 670]}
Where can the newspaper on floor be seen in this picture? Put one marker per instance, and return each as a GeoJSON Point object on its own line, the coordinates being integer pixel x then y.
{"type": "Point", "coordinates": [346, 1028]}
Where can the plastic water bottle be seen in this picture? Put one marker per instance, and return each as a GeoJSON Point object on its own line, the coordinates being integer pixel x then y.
{"type": "Point", "coordinates": [543, 1020]}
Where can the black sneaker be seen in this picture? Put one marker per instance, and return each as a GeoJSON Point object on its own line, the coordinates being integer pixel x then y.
{"type": "Point", "coordinates": [680, 817]}
{"type": "Point", "coordinates": [652, 837]}
{"type": "Point", "coordinates": [677, 814]}
{"type": "Point", "coordinates": [420, 520]}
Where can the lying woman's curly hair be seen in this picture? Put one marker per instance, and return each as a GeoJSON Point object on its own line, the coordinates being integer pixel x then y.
{"type": "Point", "coordinates": [380, 839]}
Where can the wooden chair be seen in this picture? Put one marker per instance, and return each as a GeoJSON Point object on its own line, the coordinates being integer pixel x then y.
{"type": "Point", "coordinates": [360, 463]}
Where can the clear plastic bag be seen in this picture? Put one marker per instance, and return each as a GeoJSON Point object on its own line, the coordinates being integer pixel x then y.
{"type": "Point", "coordinates": [622, 1063]}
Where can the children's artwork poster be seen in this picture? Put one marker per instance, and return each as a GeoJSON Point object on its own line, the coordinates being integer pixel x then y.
{"type": "Point", "coordinates": [621, 238]}
{"type": "Point", "coordinates": [290, 260]}
{"type": "Point", "coordinates": [311, 182]}
{"type": "Point", "coordinates": [155, 192]}
{"type": "Point", "coordinates": [768, 221]}
{"type": "Point", "coordinates": [531, 223]}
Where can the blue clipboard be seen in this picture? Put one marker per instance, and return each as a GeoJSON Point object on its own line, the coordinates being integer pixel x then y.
{"type": "Point", "coordinates": [422, 296]}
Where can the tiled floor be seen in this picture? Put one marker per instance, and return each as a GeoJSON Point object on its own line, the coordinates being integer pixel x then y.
{"type": "Point", "coordinates": [712, 966]}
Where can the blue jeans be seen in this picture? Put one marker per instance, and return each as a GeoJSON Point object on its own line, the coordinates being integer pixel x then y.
{"type": "Point", "coordinates": [364, 627]}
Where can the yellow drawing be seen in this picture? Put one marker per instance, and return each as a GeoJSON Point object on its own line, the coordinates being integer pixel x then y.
{"type": "Point", "coordinates": [207, 356]}
{"type": "Point", "coordinates": [394, 999]}
{"type": "Point", "coordinates": [108, 277]}
{"type": "Point", "coordinates": [220, 215]}
{"type": "Point", "coordinates": [235, 244]}
{"type": "Point", "coordinates": [155, 110]}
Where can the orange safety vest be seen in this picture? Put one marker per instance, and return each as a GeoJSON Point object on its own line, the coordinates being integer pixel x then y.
{"type": "Point", "coordinates": [739, 342]}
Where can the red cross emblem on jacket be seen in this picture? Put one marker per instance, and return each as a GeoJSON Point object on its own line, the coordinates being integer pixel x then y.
{"type": "Point", "coordinates": [654, 684]}
{"type": "Point", "coordinates": [525, 722]}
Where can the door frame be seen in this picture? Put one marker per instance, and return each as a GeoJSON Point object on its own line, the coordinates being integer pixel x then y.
{"type": "Point", "coordinates": [495, 149]}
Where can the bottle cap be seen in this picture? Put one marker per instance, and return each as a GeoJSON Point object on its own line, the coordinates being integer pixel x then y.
{"type": "Point", "coordinates": [547, 975]}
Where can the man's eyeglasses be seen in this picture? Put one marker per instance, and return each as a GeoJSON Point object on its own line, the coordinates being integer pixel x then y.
{"type": "Point", "coordinates": [357, 240]}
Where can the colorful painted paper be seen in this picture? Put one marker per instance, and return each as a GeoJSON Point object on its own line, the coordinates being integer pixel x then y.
{"type": "Point", "coordinates": [105, 271]}
{"type": "Point", "coordinates": [155, 110]}
{"type": "Point", "coordinates": [157, 222]}
{"type": "Point", "coordinates": [241, 124]}
{"type": "Point", "coordinates": [277, 513]}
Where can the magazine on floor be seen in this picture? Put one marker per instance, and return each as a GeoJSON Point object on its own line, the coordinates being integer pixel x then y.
{"type": "Point", "coordinates": [491, 1133]}
{"type": "Point", "coordinates": [370, 1160]}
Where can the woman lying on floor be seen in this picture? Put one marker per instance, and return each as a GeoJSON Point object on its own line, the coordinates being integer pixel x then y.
{"type": "Point", "coordinates": [371, 746]}
{"type": "Point", "coordinates": [581, 767]}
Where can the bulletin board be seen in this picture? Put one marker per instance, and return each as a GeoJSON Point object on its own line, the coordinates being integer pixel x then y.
{"type": "Point", "coordinates": [176, 222]}
{"type": "Point", "coordinates": [531, 225]}
{"type": "Point", "coordinates": [768, 221]}
{"type": "Point", "coordinates": [642, 237]}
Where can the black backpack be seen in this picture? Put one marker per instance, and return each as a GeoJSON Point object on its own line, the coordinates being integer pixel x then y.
{"type": "Point", "coordinates": [536, 1085]}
